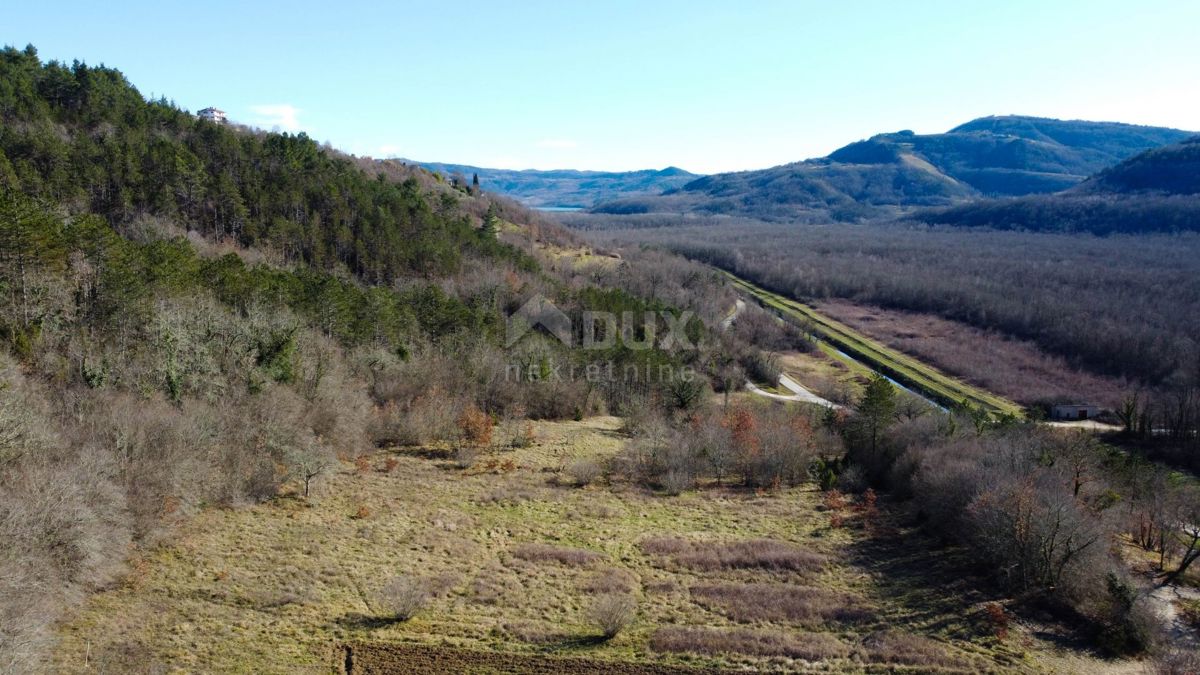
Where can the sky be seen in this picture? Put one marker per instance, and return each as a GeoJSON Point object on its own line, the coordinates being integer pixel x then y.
{"type": "Point", "coordinates": [620, 85]}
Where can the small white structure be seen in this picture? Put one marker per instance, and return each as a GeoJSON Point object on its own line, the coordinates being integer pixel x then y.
{"type": "Point", "coordinates": [212, 115]}
{"type": "Point", "coordinates": [1074, 411]}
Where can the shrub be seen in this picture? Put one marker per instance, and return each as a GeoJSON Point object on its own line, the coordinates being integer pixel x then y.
{"type": "Point", "coordinates": [465, 455]}
{"type": "Point", "coordinates": [429, 417]}
{"type": "Point", "coordinates": [404, 596]}
{"type": "Point", "coordinates": [675, 481]}
{"type": "Point", "coordinates": [566, 556]}
{"type": "Point", "coordinates": [584, 471]}
{"type": "Point", "coordinates": [612, 612]}
{"type": "Point", "coordinates": [362, 465]}
{"type": "Point", "coordinates": [525, 437]}
{"type": "Point", "coordinates": [852, 479]}
{"type": "Point", "coordinates": [1129, 626]}
{"type": "Point", "coordinates": [476, 426]}
{"type": "Point", "coordinates": [997, 618]}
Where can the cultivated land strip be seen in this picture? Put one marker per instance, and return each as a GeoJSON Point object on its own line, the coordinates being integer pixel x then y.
{"type": "Point", "coordinates": [906, 370]}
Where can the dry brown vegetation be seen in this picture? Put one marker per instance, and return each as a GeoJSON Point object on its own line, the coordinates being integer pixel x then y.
{"type": "Point", "coordinates": [1015, 369]}
{"type": "Point", "coordinates": [518, 567]}
{"type": "Point", "coordinates": [558, 554]}
{"type": "Point", "coordinates": [810, 647]}
{"type": "Point", "coordinates": [764, 554]}
{"type": "Point", "coordinates": [802, 605]}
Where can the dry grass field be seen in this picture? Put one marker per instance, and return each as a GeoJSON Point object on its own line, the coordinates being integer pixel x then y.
{"type": "Point", "coordinates": [516, 558]}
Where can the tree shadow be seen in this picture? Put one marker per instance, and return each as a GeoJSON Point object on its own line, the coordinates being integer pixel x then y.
{"type": "Point", "coordinates": [938, 587]}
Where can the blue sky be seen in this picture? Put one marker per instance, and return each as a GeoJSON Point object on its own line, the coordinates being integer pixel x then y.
{"type": "Point", "coordinates": [708, 86]}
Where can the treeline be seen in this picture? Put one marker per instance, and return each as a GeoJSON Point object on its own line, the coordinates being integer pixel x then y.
{"type": "Point", "coordinates": [1102, 215]}
{"type": "Point", "coordinates": [84, 137]}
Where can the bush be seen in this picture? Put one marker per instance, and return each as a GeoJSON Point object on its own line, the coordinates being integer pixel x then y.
{"type": "Point", "coordinates": [675, 481]}
{"type": "Point", "coordinates": [404, 596]}
{"type": "Point", "coordinates": [584, 471]}
{"type": "Point", "coordinates": [476, 426]}
{"type": "Point", "coordinates": [465, 455]}
{"type": "Point", "coordinates": [1130, 626]}
{"type": "Point", "coordinates": [852, 479]}
{"type": "Point", "coordinates": [612, 612]}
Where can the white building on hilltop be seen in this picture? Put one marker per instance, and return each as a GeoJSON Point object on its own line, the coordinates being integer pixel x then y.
{"type": "Point", "coordinates": [212, 115]}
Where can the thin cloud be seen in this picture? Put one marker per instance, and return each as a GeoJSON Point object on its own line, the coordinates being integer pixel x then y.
{"type": "Point", "coordinates": [557, 144]}
{"type": "Point", "coordinates": [282, 116]}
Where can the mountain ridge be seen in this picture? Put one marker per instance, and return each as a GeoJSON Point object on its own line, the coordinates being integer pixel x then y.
{"type": "Point", "coordinates": [1154, 191]}
{"type": "Point", "coordinates": [888, 173]}
{"type": "Point", "coordinates": [565, 188]}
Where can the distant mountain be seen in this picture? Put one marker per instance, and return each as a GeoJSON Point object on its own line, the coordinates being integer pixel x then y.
{"type": "Point", "coordinates": [1155, 191]}
{"type": "Point", "coordinates": [567, 188]}
{"type": "Point", "coordinates": [892, 172]}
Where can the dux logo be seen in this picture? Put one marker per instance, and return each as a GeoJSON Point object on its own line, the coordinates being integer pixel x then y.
{"type": "Point", "coordinates": [538, 312]}
{"type": "Point", "coordinates": [601, 330]}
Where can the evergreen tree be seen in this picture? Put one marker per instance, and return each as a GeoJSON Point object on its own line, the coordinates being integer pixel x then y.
{"type": "Point", "coordinates": [491, 221]}
{"type": "Point", "coordinates": [30, 239]}
{"type": "Point", "coordinates": [876, 411]}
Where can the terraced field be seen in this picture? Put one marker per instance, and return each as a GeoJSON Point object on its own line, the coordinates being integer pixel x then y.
{"type": "Point", "coordinates": [928, 381]}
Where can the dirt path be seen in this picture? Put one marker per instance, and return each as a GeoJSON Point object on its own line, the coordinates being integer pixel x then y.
{"type": "Point", "coordinates": [799, 393]}
{"type": "Point", "coordinates": [1162, 601]}
{"type": "Point", "coordinates": [738, 307]}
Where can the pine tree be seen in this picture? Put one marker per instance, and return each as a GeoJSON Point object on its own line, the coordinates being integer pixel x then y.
{"type": "Point", "coordinates": [30, 239]}
{"type": "Point", "coordinates": [877, 410]}
{"type": "Point", "coordinates": [491, 221]}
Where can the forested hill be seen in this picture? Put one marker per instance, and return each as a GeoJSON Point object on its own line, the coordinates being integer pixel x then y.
{"type": "Point", "coordinates": [85, 138]}
{"type": "Point", "coordinates": [1173, 170]}
{"type": "Point", "coordinates": [196, 314]}
{"type": "Point", "coordinates": [567, 188]}
{"type": "Point", "coordinates": [988, 157]}
{"type": "Point", "coordinates": [1155, 191]}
